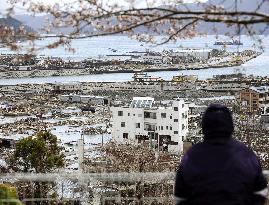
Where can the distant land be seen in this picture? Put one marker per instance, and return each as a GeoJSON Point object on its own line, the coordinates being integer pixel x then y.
{"type": "Point", "coordinates": [38, 22]}
{"type": "Point", "coordinates": [15, 23]}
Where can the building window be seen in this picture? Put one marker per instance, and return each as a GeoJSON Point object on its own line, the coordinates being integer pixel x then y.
{"type": "Point", "coordinates": [128, 114]}
{"type": "Point", "coordinates": [163, 115]}
{"type": "Point", "coordinates": [146, 115]}
{"type": "Point", "coordinates": [133, 114]}
{"type": "Point", "coordinates": [175, 108]}
{"type": "Point", "coordinates": [120, 113]}
{"type": "Point", "coordinates": [137, 125]}
{"type": "Point", "coordinates": [182, 115]}
{"type": "Point", "coordinates": [166, 127]}
{"type": "Point", "coordinates": [125, 135]}
{"type": "Point", "coordinates": [183, 127]}
{"type": "Point", "coordinates": [170, 116]}
{"type": "Point", "coordinates": [175, 132]}
{"type": "Point", "coordinates": [175, 120]}
{"type": "Point", "coordinates": [171, 128]}
{"type": "Point", "coordinates": [161, 127]}
{"type": "Point", "coordinates": [182, 105]}
{"type": "Point", "coordinates": [122, 124]}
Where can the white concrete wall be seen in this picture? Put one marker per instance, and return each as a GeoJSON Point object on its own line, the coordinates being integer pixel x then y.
{"type": "Point", "coordinates": [131, 116]}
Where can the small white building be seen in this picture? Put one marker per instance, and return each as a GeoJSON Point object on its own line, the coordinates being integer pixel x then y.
{"type": "Point", "coordinates": [66, 86]}
{"type": "Point", "coordinates": [153, 59]}
{"type": "Point", "coordinates": [163, 126]}
{"type": "Point", "coordinates": [197, 53]}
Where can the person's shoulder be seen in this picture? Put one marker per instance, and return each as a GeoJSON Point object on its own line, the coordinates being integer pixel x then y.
{"type": "Point", "coordinates": [194, 152]}
{"type": "Point", "coordinates": [241, 147]}
{"type": "Point", "coordinates": [194, 148]}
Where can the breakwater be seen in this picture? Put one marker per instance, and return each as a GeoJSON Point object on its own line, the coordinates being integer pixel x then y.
{"type": "Point", "coordinates": [58, 67]}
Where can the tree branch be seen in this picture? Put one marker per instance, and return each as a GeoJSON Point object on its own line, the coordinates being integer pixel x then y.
{"type": "Point", "coordinates": [178, 31]}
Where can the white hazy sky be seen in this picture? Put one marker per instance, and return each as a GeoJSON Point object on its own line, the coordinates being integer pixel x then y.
{"type": "Point", "coordinates": [139, 3]}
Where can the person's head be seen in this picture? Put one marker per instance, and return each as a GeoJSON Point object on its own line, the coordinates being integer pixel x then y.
{"type": "Point", "coordinates": [217, 122]}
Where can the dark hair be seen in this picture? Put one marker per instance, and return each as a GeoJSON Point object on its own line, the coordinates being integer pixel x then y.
{"type": "Point", "coordinates": [217, 122]}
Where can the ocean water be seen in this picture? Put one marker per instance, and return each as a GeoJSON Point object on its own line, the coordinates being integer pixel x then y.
{"type": "Point", "coordinates": [100, 47]}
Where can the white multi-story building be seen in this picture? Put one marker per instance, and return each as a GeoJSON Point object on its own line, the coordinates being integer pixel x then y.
{"type": "Point", "coordinates": [163, 126]}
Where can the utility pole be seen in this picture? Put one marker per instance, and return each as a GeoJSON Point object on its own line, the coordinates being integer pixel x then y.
{"type": "Point", "coordinates": [103, 131]}
{"type": "Point", "coordinates": [81, 152]}
{"type": "Point", "coordinates": [158, 143]}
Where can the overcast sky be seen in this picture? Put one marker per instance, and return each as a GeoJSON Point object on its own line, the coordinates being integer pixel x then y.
{"type": "Point", "coordinates": [138, 3]}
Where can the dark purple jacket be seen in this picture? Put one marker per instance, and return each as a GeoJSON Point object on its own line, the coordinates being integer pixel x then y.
{"type": "Point", "coordinates": [220, 172]}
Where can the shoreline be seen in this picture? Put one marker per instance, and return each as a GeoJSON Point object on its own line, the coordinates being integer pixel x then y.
{"type": "Point", "coordinates": [80, 72]}
{"type": "Point", "coordinates": [17, 74]}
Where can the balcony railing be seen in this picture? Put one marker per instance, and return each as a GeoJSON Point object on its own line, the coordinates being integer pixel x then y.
{"type": "Point", "coordinates": [94, 188]}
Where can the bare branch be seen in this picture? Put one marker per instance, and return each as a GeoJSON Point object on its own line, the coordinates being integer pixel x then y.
{"type": "Point", "coordinates": [107, 20]}
{"type": "Point", "coordinates": [177, 32]}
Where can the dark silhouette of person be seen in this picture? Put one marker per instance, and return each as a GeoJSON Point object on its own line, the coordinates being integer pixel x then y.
{"type": "Point", "coordinates": [220, 170]}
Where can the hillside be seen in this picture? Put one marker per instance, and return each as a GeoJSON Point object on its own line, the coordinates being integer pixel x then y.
{"type": "Point", "coordinates": [14, 23]}
{"type": "Point", "coordinates": [37, 22]}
